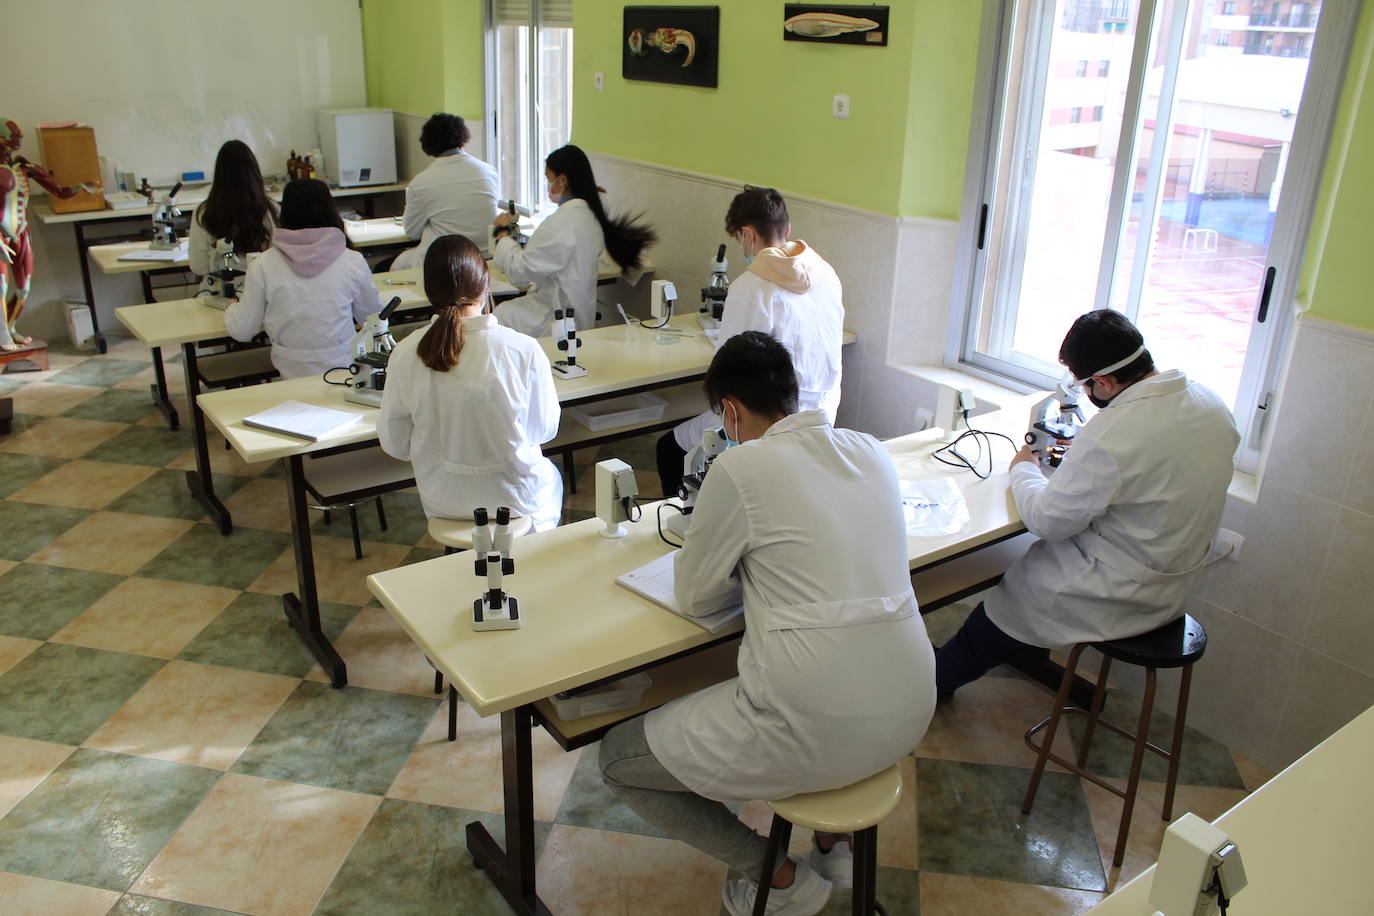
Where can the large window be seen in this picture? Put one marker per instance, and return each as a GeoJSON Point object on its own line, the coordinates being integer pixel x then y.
{"type": "Point", "coordinates": [529, 92]}
{"type": "Point", "coordinates": [1183, 202]}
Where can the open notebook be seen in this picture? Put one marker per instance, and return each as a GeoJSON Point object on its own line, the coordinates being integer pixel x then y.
{"type": "Point", "coordinates": [307, 421]}
{"type": "Point", "coordinates": [655, 581]}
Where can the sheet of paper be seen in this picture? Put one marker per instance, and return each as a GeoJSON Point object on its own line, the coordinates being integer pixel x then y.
{"type": "Point", "coordinates": [307, 421]}
{"type": "Point", "coordinates": [178, 253]}
{"type": "Point", "coordinates": [654, 581]}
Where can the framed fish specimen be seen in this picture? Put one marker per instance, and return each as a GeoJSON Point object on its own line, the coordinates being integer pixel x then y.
{"type": "Point", "coordinates": [671, 44]}
{"type": "Point", "coordinates": [846, 25]}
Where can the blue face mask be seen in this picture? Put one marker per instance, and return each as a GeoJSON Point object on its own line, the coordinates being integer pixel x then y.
{"type": "Point", "coordinates": [749, 259]}
{"type": "Point", "coordinates": [729, 442]}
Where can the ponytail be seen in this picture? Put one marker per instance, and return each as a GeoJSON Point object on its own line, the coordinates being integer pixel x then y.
{"type": "Point", "coordinates": [626, 237]}
{"type": "Point", "coordinates": [455, 276]}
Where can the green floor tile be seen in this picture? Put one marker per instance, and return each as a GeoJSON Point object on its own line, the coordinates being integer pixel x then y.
{"type": "Point", "coordinates": [420, 554]}
{"type": "Point", "coordinates": [100, 818]}
{"type": "Point", "coordinates": [31, 526]}
{"type": "Point", "coordinates": [40, 600]}
{"type": "Point", "coordinates": [146, 445]}
{"type": "Point", "coordinates": [116, 405]}
{"type": "Point", "coordinates": [899, 891]}
{"type": "Point", "coordinates": [405, 520]}
{"type": "Point", "coordinates": [353, 739]}
{"type": "Point", "coordinates": [971, 824]}
{"type": "Point", "coordinates": [203, 556]}
{"type": "Point", "coordinates": [588, 803]}
{"type": "Point", "coordinates": [100, 373]}
{"type": "Point", "coordinates": [252, 634]}
{"type": "Point", "coordinates": [412, 860]}
{"type": "Point", "coordinates": [1203, 762]}
{"type": "Point", "coordinates": [134, 905]}
{"type": "Point", "coordinates": [165, 495]}
{"type": "Point", "coordinates": [18, 471]}
{"type": "Point", "coordinates": [64, 693]}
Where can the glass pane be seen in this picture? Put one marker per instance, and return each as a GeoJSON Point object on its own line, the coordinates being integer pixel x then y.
{"type": "Point", "coordinates": [512, 111]}
{"type": "Point", "coordinates": [555, 93]}
{"type": "Point", "coordinates": [1240, 82]}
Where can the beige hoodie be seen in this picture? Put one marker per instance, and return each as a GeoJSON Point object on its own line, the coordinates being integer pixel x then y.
{"type": "Point", "coordinates": [789, 266]}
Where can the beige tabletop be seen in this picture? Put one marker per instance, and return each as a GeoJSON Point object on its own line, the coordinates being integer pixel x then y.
{"type": "Point", "coordinates": [573, 636]}
{"type": "Point", "coordinates": [187, 200]}
{"type": "Point", "coordinates": [1303, 836]}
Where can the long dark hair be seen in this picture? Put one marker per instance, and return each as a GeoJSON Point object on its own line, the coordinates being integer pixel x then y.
{"type": "Point", "coordinates": [455, 276]}
{"type": "Point", "coordinates": [626, 237]}
{"type": "Point", "coordinates": [238, 208]}
{"type": "Point", "coordinates": [307, 204]}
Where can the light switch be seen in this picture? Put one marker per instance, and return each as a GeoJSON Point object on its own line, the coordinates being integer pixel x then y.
{"type": "Point", "coordinates": [839, 107]}
{"type": "Point", "coordinates": [600, 81]}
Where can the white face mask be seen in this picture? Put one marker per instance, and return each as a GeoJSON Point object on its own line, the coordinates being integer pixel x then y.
{"type": "Point", "coordinates": [729, 439]}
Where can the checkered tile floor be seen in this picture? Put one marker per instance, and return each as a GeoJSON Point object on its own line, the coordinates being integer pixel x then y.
{"type": "Point", "coordinates": [167, 747]}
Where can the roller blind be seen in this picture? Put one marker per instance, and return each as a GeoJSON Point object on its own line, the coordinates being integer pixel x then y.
{"type": "Point", "coordinates": [555, 13]}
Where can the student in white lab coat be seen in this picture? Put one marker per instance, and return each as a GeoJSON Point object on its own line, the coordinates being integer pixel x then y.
{"type": "Point", "coordinates": [788, 291]}
{"type": "Point", "coordinates": [237, 208]}
{"type": "Point", "coordinates": [469, 402]}
{"type": "Point", "coordinates": [559, 261]}
{"type": "Point", "coordinates": [455, 195]}
{"type": "Point", "coordinates": [1124, 523]}
{"type": "Point", "coordinates": [836, 673]}
{"type": "Point", "coordinates": [308, 290]}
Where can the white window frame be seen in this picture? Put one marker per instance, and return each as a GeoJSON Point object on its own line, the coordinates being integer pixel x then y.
{"type": "Point", "coordinates": [1288, 242]}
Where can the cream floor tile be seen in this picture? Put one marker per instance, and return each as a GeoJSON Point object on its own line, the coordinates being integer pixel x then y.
{"type": "Point", "coordinates": [159, 419]}
{"type": "Point", "coordinates": [24, 764]}
{"type": "Point", "coordinates": [1147, 830]}
{"type": "Point", "coordinates": [12, 648]}
{"type": "Point", "coordinates": [597, 873]}
{"type": "Point", "coordinates": [200, 715]}
{"type": "Point", "coordinates": [275, 846]}
{"type": "Point", "coordinates": [467, 773]}
{"type": "Point", "coordinates": [48, 399]}
{"type": "Point", "coordinates": [954, 895]}
{"type": "Point", "coordinates": [261, 503]}
{"type": "Point", "coordinates": [381, 655]}
{"type": "Point", "coordinates": [1251, 773]}
{"type": "Point", "coordinates": [124, 346]}
{"type": "Point", "coordinates": [21, 895]}
{"type": "Point", "coordinates": [62, 437]}
{"type": "Point", "coordinates": [987, 721]}
{"type": "Point", "coordinates": [84, 484]}
{"type": "Point", "coordinates": [222, 460]}
{"type": "Point", "coordinates": [896, 834]}
{"type": "Point", "coordinates": [146, 617]}
{"type": "Point", "coordinates": [112, 542]}
{"type": "Point", "coordinates": [339, 577]}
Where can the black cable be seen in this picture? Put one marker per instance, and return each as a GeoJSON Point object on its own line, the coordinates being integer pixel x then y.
{"type": "Point", "coordinates": [661, 507]}
{"type": "Point", "coordinates": [325, 376]}
{"type": "Point", "coordinates": [980, 438]}
{"type": "Point", "coordinates": [664, 322]}
{"type": "Point", "coordinates": [627, 503]}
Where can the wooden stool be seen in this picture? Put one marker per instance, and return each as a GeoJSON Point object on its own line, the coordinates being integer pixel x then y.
{"type": "Point", "coordinates": [855, 809]}
{"type": "Point", "coordinates": [1176, 645]}
{"type": "Point", "coordinates": [35, 352]}
{"type": "Point", "coordinates": [456, 534]}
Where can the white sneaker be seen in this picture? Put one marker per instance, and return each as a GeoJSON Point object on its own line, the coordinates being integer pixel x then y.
{"type": "Point", "coordinates": [806, 897]}
{"type": "Point", "coordinates": [836, 866]}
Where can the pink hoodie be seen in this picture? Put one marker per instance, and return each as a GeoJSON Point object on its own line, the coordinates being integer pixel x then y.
{"type": "Point", "coordinates": [309, 251]}
{"type": "Point", "coordinates": [790, 266]}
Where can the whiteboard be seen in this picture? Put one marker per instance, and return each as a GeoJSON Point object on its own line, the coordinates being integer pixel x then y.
{"type": "Point", "coordinates": [165, 82]}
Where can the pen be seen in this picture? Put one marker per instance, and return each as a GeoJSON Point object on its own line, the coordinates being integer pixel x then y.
{"type": "Point", "coordinates": [399, 282]}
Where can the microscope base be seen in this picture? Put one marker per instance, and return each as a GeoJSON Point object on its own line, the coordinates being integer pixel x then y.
{"type": "Point", "coordinates": [562, 370]}
{"type": "Point", "coordinates": [678, 525]}
{"type": "Point", "coordinates": [485, 617]}
{"type": "Point", "coordinates": [366, 396]}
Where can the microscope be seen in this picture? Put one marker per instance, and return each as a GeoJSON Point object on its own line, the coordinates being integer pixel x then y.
{"type": "Point", "coordinates": [226, 269]}
{"type": "Point", "coordinates": [1049, 437]}
{"type": "Point", "coordinates": [519, 237]}
{"type": "Point", "coordinates": [372, 348]}
{"type": "Point", "coordinates": [714, 293]}
{"type": "Point", "coordinates": [565, 333]}
{"type": "Point", "coordinates": [164, 221]}
{"type": "Point", "coordinates": [694, 467]}
{"type": "Point", "coordinates": [495, 610]}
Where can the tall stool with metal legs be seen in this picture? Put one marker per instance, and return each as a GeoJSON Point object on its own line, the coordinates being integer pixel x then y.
{"type": "Point", "coordinates": [1176, 645]}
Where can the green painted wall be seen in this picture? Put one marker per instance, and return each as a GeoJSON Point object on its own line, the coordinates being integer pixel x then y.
{"type": "Point", "coordinates": [1335, 274]}
{"type": "Point", "coordinates": [424, 56]}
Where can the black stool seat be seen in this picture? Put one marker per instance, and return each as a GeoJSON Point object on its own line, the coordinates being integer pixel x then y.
{"type": "Point", "coordinates": [1171, 646]}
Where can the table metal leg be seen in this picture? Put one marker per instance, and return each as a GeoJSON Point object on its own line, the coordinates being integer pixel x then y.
{"type": "Point", "coordinates": [81, 256]}
{"type": "Point", "coordinates": [161, 397]}
{"type": "Point", "coordinates": [201, 481]}
{"type": "Point", "coordinates": [512, 869]}
{"type": "Point", "coordinates": [303, 608]}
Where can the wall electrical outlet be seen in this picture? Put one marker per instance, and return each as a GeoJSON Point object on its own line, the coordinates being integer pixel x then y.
{"type": "Point", "coordinates": [1229, 543]}
{"type": "Point", "coordinates": [925, 418]}
{"type": "Point", "coordinates": [600, 82]}
{"type": "Point", "coordinates": [839, 106]}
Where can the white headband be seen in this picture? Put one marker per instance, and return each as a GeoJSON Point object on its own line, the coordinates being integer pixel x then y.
{"type": "Point", "coordinates": [1119, 364]}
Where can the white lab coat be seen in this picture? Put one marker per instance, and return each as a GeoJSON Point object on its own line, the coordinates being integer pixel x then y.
{"type": "Point", "coordinates": [455, 195]}
{"type": "Point", "coordinates": [806, 315]}
{"type": "Point", "coordinates": [1125, 522]}
{"type": "Point", "coordinates": [836, 672]}
{"type": "Point", "coordinates": [309, 319]}
{"type": "Point", "coordinates": [474, 433]}
{"type": "Point", "coordinates": [200, 247]}
{"type": "Point", "coordinates": [560, 262]}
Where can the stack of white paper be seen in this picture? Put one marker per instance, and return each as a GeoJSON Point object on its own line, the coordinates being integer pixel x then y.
{"type": "Point", "coordinates": [655, 581]}
{"type": "Point", "coordinates": [178, 253]}
{"type": "Point", "coordinates": [308, 421]}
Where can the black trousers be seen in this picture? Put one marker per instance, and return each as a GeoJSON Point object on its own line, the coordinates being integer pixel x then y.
{"type": "Point", "coordinates": [670, 457]}
{"type": "Point", "coordinates": [978, 647]}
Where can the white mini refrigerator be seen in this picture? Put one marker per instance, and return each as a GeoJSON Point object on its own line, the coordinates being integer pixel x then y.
{"type": "Point", "coordinates": [359, 145]}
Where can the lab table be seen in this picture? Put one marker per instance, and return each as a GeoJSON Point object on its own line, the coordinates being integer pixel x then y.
{"type": "Point", "coordinates": [82, 219]}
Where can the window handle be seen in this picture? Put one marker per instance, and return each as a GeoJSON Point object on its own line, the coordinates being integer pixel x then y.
{"type": "Point", "coordinates": [1264, 296]}
{"type": "Point", "coordinates": [982, 227]}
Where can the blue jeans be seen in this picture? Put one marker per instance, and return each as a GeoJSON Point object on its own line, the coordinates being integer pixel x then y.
{"type": "Point", "coordinates": [976, 649]}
